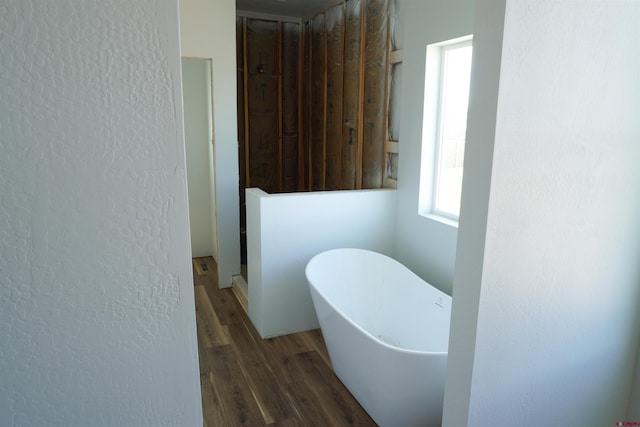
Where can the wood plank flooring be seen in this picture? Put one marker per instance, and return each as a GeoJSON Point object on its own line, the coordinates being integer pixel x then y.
{"type": "Point", "coordinates": [248, 381]}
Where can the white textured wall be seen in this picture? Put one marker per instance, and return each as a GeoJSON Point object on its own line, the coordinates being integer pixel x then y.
{"type": "Point", "coordinates": [558, 296]}
{"type": "Point", "coordinates": [426, 246]}
{"type": "Point", "coordinates": [97, 322]}
{"type": "Point", "coordinates": [284, 231]}
{"type": "Point", "coordinates": [208, 30]}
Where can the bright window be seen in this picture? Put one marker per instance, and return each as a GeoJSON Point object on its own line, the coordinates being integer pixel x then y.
{"type": "Point", "coordinates": [445, 125]}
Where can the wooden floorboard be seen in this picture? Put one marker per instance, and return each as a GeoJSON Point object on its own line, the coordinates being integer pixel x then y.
{"type": "Point", "coordinates": [210, 331]}
{"type": "Point", "coordinates": [245, 380]}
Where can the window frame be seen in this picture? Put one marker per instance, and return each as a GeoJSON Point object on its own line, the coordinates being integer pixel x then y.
{"type": "Point", "coordinates": [432, 128]}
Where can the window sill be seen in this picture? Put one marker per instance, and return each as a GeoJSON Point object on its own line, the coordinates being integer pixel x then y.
{"type": "Point", "coordinates": [441, 219]}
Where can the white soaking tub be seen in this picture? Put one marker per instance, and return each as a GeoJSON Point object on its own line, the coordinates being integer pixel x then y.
{"type": "Point", "coordinates": [387, 333]}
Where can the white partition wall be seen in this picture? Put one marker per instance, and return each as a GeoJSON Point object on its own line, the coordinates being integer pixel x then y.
{"type": "Point", "coordinates": [284, 231]}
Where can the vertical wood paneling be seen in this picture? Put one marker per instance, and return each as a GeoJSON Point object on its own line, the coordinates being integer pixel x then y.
{"type": "Point", "coordinates": [245, 52]}
{"type": "Point", "coordinates": [363, 29]}
{"type": "Point", "coordinates": [290, 105]}
{"type": "Point", "coordinates": [375, 70]}
{"type": "Point", "coordinates": [280, 153]}
{"type": "Point", "coordinates": [306, 104]}
{"type": "Point", "coordinates": [318, 102]}
{"type": "Point", "coordinates": [263, 98]}
{"type": "Point", "coordinates": [301, 106]}
{"type": "Point", "coordinates": [351, 94]}
{"type": "Point", "coordinates": [334, 101]}
{"type": "Point", "coordinates": [315, 116]}
{"type": "Point", "coordinates": [241, 114]}
{"type": "Point", "coordinates": [394, 69]}
{"type": "Point", "coordinates": [393, 122]}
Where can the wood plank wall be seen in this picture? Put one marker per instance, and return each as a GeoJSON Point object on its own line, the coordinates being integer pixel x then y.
{"type": "Point", "coordinates": [263, 96]}
{"type": "Point", "coordinates": [375, 92]}
{"type": "Point", "coordinates": [290, 89]}
{"type": "Point", "coordinates": [351, 95]}
{"type": "Point", "coordinates": [317, 77]}
{"type": "Point", "coordinates": [393, 105]}
{"type": "Point", "coordinates": [313, 100]}
{"type": "Point", "coordinates": [240, 76]}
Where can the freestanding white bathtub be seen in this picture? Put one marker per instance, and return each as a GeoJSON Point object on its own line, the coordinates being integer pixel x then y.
{"type": "Point", "coordinates": [387, 333]}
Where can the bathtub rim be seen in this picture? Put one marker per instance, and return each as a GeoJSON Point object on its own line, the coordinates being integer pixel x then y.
{"type": "Point", "coordinates": [368, 334]}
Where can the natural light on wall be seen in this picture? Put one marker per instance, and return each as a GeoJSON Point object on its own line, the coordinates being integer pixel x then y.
{"type": "Point", "coordinates": [447, 77]}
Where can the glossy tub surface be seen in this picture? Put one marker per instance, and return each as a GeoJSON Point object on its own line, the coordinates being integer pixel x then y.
{"type": "Point", "coordinates": [387, 333]}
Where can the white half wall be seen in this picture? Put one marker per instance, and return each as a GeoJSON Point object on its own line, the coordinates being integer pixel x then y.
{"type": "Point", "coordinates": [556, 300]}
{"type": "Point", "coordinates": [284, 231]}
{"type": "Point", "coordinates": [426, 246]}
{"type": "Point", "coordinates": [208, 30]}
{"type": "Point", "coordinates": [97, 319]}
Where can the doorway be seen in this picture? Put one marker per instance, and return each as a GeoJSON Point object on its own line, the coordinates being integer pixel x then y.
{"type": "Point", "coordinates": [198, 124]}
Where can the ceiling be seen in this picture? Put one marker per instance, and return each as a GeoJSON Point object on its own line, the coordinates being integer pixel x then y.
{"type": "Point", "coordinates": [290, 8]}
